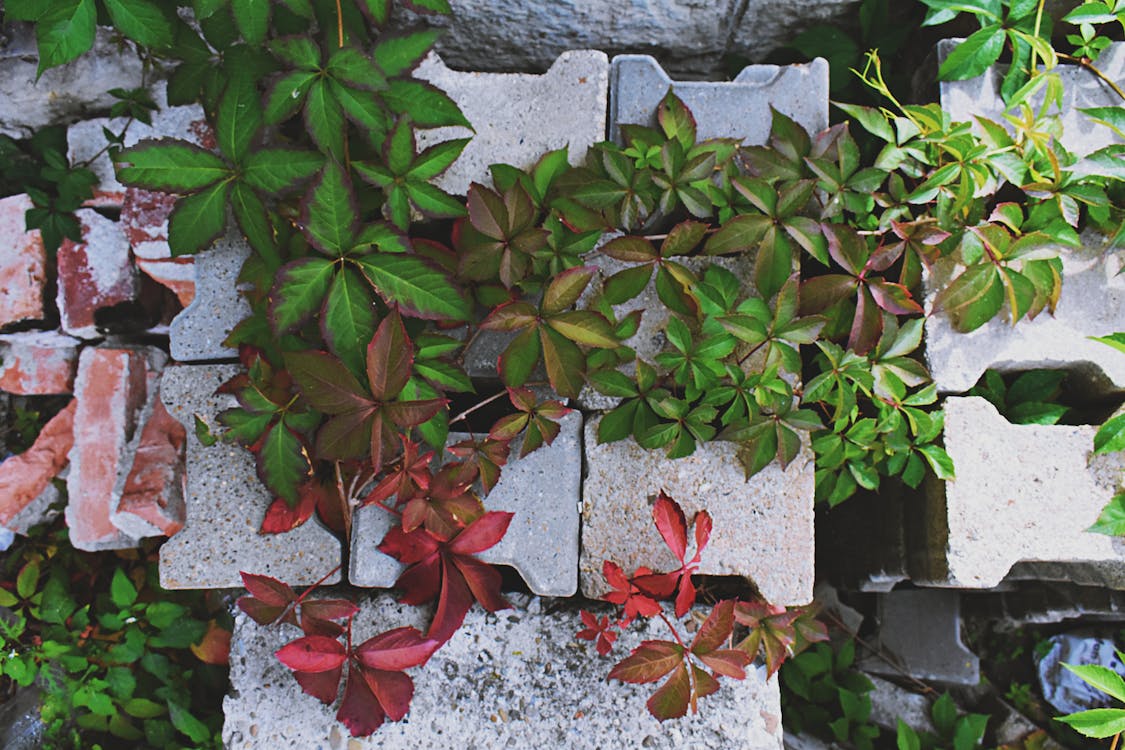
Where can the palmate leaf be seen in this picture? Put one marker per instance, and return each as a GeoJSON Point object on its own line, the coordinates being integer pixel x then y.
{"type": "Point", "coordinates": [198, 220]}
{"type": "Point", "coordinates": [973, 56]}
{"type": "Point", "coordinates": [141, 21]}
{"type": "Point", "coordinates": [396, 55]}
{"type": "Point", "coordinates": [425, 104]}
{"type": "Point", "coordinates": [252, 17]}
{"type": "Point", "coordinates": [418, 288]}
{"type": "Point", "coordinates": [324, 119]}
{"type": "Point", "coordinates": [283, 463]}
{"type": "Point", "coordinates": [238, 118]}
{"type": "Point", "coordinates": [349, 318]}
{"type": "Point", "coordinates": [65, 32]}
{"type": "Point", "coordinates": [277, 169]}
{"type": "Point", "coordinates": [170, 166]}
{"type": "Point", "coordinates": [330, 213]}
{"type": "Point", "coordinates": [299, 291]}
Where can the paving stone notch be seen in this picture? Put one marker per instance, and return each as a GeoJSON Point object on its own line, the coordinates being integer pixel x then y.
{"type": "Point", "coordinates": [920, 630]}
{"type": "Point", "coordinates": [542, 489]}
{"type": "Point", "coordinates": [518, 117]}
{"type": "Point", "coordinates": [763, 529]}
{"type": "Point", "coordinates": [226, 503]}
{"type": "Point", "coordinates": [515, 679]}
{"type": "Point", "coordinates": [735, 109]}
{"type": "Point", "coordinates": [1022, 492]}
{"type": "Point", "coordinates": [198, 332]}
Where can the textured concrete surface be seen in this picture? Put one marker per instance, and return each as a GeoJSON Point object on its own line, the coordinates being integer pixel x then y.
{"type": "Point", "coordinates": [763, 529]}
{"type": "Point", "coordinates": [514, 679]}
{"type": "Point", "coordinates": [519, 117]}
{"type": "Point", "coordinates": [198, 332]}
{"type": "Point", "coordinates": [690, 35]}
{"type": "Point", "coordinates": [64, 93]}
{"type": "Point", "coordinates": [722, 109]}
{"type": "Point", "coordinates": [1092, 303]}
{"type": "Point", "coordinates": [920, 631]}
{"type": "Point", "coordinates": [980, 97]}
{"type": "Point", "coordinates": [226, 502]}
{"type": "Point", "coordinates": [1022, 493]}
{"type": "Point", "coordinates": [542, 489]}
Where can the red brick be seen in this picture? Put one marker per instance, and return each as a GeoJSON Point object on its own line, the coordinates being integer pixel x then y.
{"type": "Point", "coordinates": [95, 273]}
{"type": "Point", "coordinates": [111, 389]}
{"type": "Point", "coordinates": [177, 274]}
{"type": "Point", "coordinates": [24, 477]}
{"type": "Point", "coordinates": [152, 496]}
{"type": "Point", "coordinates": [38, 363]}
{"type": "Point", "coordinates": [144, 217]}
{"type": "Point", "coordinates": [23, 264]}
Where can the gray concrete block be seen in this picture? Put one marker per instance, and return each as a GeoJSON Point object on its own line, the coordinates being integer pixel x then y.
{"type": "Point", "coordinates": [542, 489]}
{"type": "Point", "coordinates": [1092, 303]}
{"type": "Point", "coordinates": [64, 93]}
{"type": "Point", "coordinates": [920, 631]}
{"type": "Point", "coordinates": [518, 117]}
{"type": "Point", "coordinates": [734, 109]}
{"type": "Point", "coordinates": [1022, 493]}
{"type": "Point", "coordinates": [763, 529]}
{"type": "Point", "coordinates": [86, 141]}
{"type": "Point", "coordinates": [226, 502]}
{"type": "Point", "coordinates": [889, 703]}
{"type": "Point", "coordinates": [980, 96]}
{"type": "Point", "coordinates": [515, 679]}
{"type": "Point", "coordinates": [197, 333]}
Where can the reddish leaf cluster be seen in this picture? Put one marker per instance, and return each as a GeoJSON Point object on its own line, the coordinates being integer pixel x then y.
{"type": "Point", "coordinates": [775, 631]}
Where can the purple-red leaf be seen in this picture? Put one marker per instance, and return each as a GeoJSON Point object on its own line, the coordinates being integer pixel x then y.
{"type": "Point", "coordinates": [671, 523]}
{"type": "Point", "coordinates": [396, 650]}
{"type": "Point", "coordinates": [648, 662]}
{"type": "Point", "coordinates": [312, 653]}
{"type": "Point", "coordinates": [671, 699]}
{"type": "Point", "coordinates": [390, 356]}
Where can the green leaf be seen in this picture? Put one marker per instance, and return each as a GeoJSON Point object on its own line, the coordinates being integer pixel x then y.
{"type": "Point", "coordinates": [330, 213]}
{"type": "Point", "coordinates": [287, 95]}
{"type": "Point", "coordinates": [379, 11]}
{"type": "Point", "coordinates": [397, 55]}
{"type": "Point", "coordinates": [429, 6]}
{"type": "Point", "coordinates": [299, 292]}
{"type": "Point", "coordinates": [349, 319]}
{"type": "Point", "coordinates": [198, 220]}
{"type": "Point", "coordinates": [282, 462]}
{"type": "Point", "coordinates": [973, 56]}
{"type": "Point", "coordinates": [274, 170]}
{"type": "Point", "coordinates": [436, 159]}
{"type": "Point", "coordinates": [27, 580]}
{"type": "Point", "coordinates": [238, 118]}
{"type": "Point", "coordinates": [65, 32]}
{"type": "Point", "coordinates": [420, 289]}
{"type": "Point", "coordinates": [1100, 678]}
{"type": "Point", "coordinates": [252, 17]}
{"type": "Point", "coordinates": [325, 119]}
{"type": "Point", "coordinates": [182, 720]}
{"type": "Point", "coordinates": [170, 166]}
{"type": "Point", "coordinates": [433, 201]}
{"type": "Point", "coordinates": [1116, 340]}
{"type": "Point", "coordinates": [141, 21]}
{"type": "Point", "coordinates": [426, 105]}
{"type": "Point", "coordinates": [121, 590]}
{"type": "Point", "coordinates": [1111, 436]}
{"type": "Point", "coordinates": [973, 298]}
{"type": "Point", "coordinates": [1098, 722]}
{"type": "Point", "coordinates": [1111, 522]}
{"type": "Point", "coordinates": [253, 220]}
{"type": "Point", "coordinates": [872, 120]}
{"type": "Point", "coordinates": [142, 708]}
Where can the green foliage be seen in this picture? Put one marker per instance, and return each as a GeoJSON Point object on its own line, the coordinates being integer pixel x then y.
{"type": "Point", "coordinates": [954, 731]}
{"type": "Point", "coordinates": [1028, 400]}
{"type": "Point", "coordinates": [1098, 722]}
{"type": "Point", "coordinates": [116, 656]}
{"type": "Point", "coordinates": [823, 694]}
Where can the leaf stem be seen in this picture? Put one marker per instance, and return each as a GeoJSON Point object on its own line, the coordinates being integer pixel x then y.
{"type": "Point", "coordinates": [1085, 63]}
{"type": "Point", "coordinates": [339, 24]}
{"type": "Point", "coordinates": [475, 407]}
{"type": "Point", "coordinates": [675, 633]}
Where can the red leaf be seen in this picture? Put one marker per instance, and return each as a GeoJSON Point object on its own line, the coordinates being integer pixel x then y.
{"type": "Point", "coordinates": [409, 547]}
{"type": "Point", "coordinates": [648, 662]}
{"type": "Point", "coordinates": [324, 686]}
{"type": "Point", "coordinates": [280, 518]}
{"type": "Point", "coordinates": [702, 532]}
{"type": "Point", "coordinates": [685, 597]}
{"type": "Point", "coordinates": [483, 581]}
{"type": "Point", "coordinates": [481, 534]}
{"type": "Point", "coordinates": [396, 650]}
{"type": "Point", "coordinates": [671, 700]}
{"type": "Point", "coordinates": [312, 653]}
{"type": "Point", "coordinates": [360, 711]}
{"type": "Point", "coordinates": [453, 604]}
{"type": "Point", "coordinates": [657, 585]}
{"type": "Point", "coordinates": [214, 647]}
{"type": "Point", "coordinates": [421, 582]}
{"type": "Point", "coordinates": [670, 522]}
{"type": "Point", "coordinates": [390, 356]}
{"type": "Point", "coordinates": [704, 685]}
{"type": "Point", "coordinates": [393, 690]}
{"type": "Point", "coordinates": [258, 611]}
{"type": "Point", "coordinates": [715, 629]}
{"type": "Point", "coordinates": [599, 629]}
{"type": "Point", "coordinates": [413, 413]}
{"type": "Point", "coordinates": [268, 590]}
{"type": "Point", "coordinates": [729, 662]}
{"type": "Point", "coordinates": [326, 382]}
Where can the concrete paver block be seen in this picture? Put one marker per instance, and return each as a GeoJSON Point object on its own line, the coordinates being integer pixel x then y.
{"type": "Point", "coordinates": [1022, 493]}
{"type": "Point", "coordinates": [920, 630]}
{"type": "Point", "coordinates": [198, 332]}
{"type": "Point", "coordinates": [23, 263]}
{"type": "Point", "coordinates": [518, 117]}
{"type": "Point", "coordinates": [1092, 303]}
{"type": "Point", "coordinates": [542, 489]}
{"type": "Point", "coordinates": [226, 502]}
{"type": "Point", "coordinates": [763, 529]}
{"type": "Point", "coordinates": [94, 274]}
{"type": "Point", "coordinates": [38, 363]}
{"type": "Point", "coordinates": [980, 97]}
{"type": "Point", "coordinates": [734, 109]}
{"type": "Point", "coordinates": [515, 679]}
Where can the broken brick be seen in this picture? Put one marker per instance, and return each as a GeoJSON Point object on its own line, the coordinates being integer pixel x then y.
{"type": "Point", "coordinates": [38, 363]}
{"type": "Point", "coordinates": [152, 492]}
{"type": "Point", "coordinates": [23, 264]}
{"type": "Point", "coordinates": [94, 274]}
{"type": "Point", "coordinates": [25, 477]}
